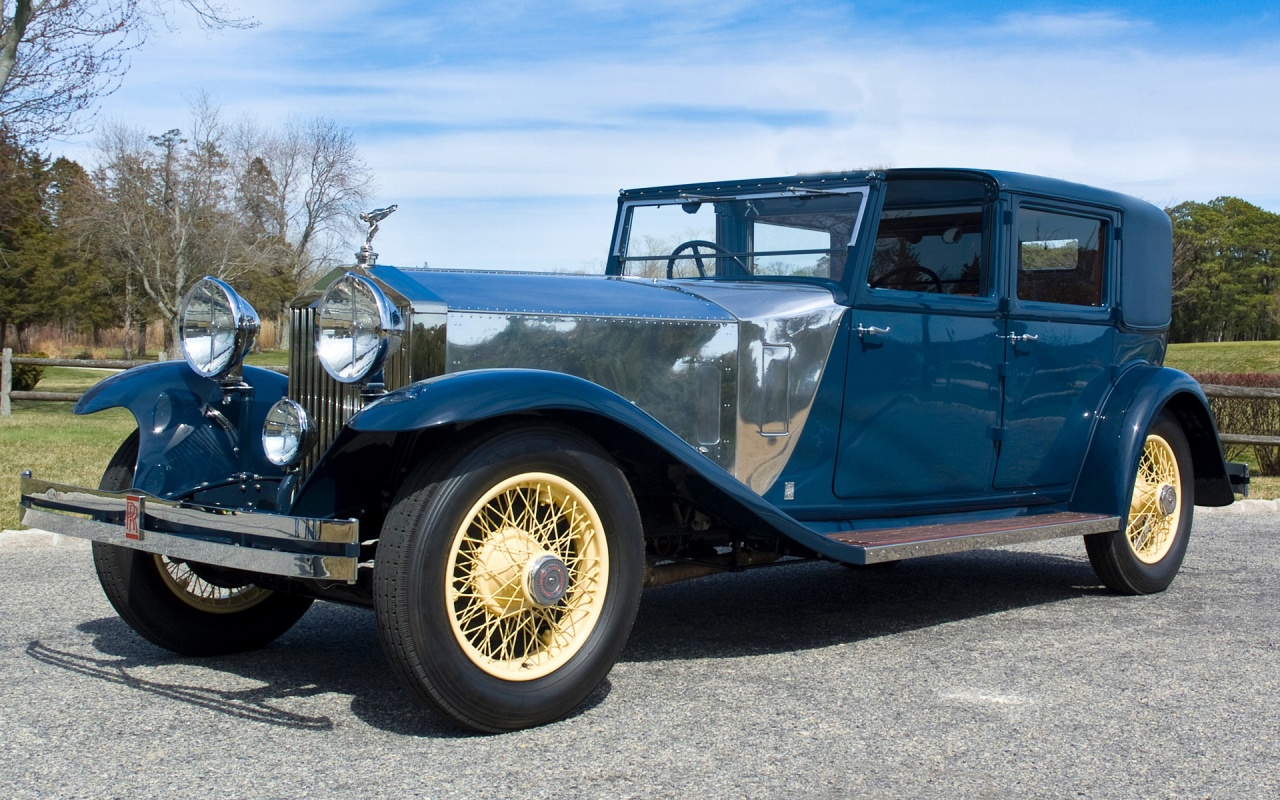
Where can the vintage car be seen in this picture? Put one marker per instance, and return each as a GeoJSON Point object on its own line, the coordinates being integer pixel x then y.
{"type": "Point", "coordinates": [860, 367]}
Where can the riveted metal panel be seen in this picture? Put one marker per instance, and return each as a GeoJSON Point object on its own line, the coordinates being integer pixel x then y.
{"type": "Point", "coordinates": [661, 365]}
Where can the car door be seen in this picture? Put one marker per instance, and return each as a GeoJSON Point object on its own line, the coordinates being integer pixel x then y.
{"type": "Point", "coordinates": [1059, 341]}
{"type": "Point", "coordinates": [922, 399]}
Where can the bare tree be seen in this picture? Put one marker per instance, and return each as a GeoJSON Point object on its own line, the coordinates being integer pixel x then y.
{"type": "Point", "coordinates": [300, 193]}
{"type": "Point", "coordinates": [166, 214]}
{"type": "Point", "coordinates": [263, 208]}
{"type": "Point", "coordinates": [58, 57]}
{"type": "Point", "coordinates": [317, 183]}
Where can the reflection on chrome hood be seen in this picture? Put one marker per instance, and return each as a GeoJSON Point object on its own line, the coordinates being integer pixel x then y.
{"type": "Point", "coordinates": [731, 367]}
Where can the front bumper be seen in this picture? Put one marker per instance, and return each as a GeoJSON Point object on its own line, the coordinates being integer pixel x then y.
{"type": "Point", "coordinates": [273, 544]}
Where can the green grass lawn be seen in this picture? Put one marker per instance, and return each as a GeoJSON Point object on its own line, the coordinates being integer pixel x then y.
{"type": "Point", "coordinates": [269, 358]}
{"type": "Point", "coordinates": [70, 379]}
{"type": "Point", "coordinates": [49, 440]}
{"type": "Point", "coordinates": [1224, 357]}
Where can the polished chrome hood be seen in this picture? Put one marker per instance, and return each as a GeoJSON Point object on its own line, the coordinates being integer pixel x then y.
{"type": "Point", "coordinates": [730, 367]}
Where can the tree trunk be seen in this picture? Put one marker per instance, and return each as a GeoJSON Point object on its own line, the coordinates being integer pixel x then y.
{"type": "Point", "coordinates": [171, 336]}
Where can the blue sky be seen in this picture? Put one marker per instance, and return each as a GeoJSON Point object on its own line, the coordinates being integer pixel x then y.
{"type": "Point", "coordinates": [505, 129]}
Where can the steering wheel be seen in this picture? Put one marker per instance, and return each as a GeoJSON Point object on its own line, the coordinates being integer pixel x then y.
{"type": "Point", "coordinates": [929, 275]}
{"type": "Point", "coordinates": [693, 245]}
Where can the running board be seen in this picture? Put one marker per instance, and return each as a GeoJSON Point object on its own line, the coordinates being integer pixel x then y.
{"type": "Point", "coordinates": [894, 544]}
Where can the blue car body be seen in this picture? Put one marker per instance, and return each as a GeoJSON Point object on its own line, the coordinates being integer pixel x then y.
{"type": "Point", "coordinates": [944, 417]}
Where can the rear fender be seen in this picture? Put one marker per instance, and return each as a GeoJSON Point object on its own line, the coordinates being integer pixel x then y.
{"type": "Point", "coordinates": [1139, 395]}
{"type": "Point", "coordinates": [192, 433]}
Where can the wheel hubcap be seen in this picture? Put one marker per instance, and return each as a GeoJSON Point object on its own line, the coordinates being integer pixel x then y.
{"type": "Point", "coordinates": [1156, 506]}
{"type": "Point", "coordinates": [546, 580]}
{"type": "Point", "coordinates": [529, 568]}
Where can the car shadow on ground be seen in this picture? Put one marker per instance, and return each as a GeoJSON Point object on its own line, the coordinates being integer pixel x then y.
{"type": "Point", "coordinates": [788, 608]}
{"type": "Point", "coordinates": [334, 649]}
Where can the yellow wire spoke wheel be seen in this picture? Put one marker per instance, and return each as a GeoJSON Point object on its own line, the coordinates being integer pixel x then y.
{"type": "Point", "coordinates": [202, 595]}
{"type": "Point", "coordinates": [527, 575]}
{"type": "Point", "coordinates": [508, 574]}
{"type": "Point", "coordinates": [1145, 555]}
{"type": "Point", "coordinates": [1156, 507]}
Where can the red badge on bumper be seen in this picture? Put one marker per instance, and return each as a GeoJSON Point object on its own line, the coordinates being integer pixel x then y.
{"type": "Point", "coordinates": [133, 510]}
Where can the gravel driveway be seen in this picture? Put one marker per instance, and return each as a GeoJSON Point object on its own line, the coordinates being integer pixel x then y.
{"type": "Point", "coordinates": [988, 674]}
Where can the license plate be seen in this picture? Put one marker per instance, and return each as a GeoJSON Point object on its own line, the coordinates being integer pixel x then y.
{"type": "Point", "coordinates": [133, 510]}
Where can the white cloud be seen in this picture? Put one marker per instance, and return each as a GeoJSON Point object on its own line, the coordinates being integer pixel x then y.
{"type": "Point", "coordinates": [1088, 26]}
{"type": "Point", "coordinates": [502, 162]}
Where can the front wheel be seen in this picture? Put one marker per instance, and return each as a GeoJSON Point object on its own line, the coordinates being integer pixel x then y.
{"type": "Point", "coordinates": [1145, 556]}
{"type": "Point", "coordinates": [191, 609]}
{"type": "Point", "coordinates": [508, 576]}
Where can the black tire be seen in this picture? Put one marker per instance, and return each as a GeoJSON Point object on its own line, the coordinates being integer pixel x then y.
{"type": "Point", "coordinates": [457, 613]}
{"type": "Point", "coordinates": [1145, 555]}
{"type": "Point", "coordinates": [189, 609]}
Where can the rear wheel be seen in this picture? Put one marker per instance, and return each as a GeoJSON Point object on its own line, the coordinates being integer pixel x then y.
{"type": "Point", "coordinates": [508, 577]}
{"type": "Point", "coordinates": [189, 608]}
{"type": "Point", "coordinates": [1145, 556]}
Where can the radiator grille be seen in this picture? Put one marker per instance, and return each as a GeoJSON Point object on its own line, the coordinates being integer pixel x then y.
{"type": "Point", "coordinates": [328, 403]}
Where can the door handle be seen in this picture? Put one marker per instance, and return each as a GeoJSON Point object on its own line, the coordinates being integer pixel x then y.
{"type": "Point", "coordinates": [872, 331]}
{"type": "Point", "coordinates": [1019, 337]}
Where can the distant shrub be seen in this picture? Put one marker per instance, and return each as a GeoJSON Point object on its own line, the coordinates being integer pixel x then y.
{"type": "Point", "coordinates": [1249, 417]}
{"type": "Point", "coordinates": [26, 376]}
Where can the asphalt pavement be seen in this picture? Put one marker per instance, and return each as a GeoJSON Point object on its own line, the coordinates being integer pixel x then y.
{"type": "Point", "coordinates": [1007, 673]}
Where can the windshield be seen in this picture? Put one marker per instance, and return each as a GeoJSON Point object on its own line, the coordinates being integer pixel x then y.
{"type": "Point", "coordinates": [799, 233]}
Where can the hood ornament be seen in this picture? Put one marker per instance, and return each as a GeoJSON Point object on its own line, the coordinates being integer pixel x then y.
{"type": "Point", "coordinates": [365, 256]}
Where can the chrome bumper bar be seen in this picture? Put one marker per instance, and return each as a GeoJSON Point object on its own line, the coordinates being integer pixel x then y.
{"type": "Point", "coordinates": [274, 544]}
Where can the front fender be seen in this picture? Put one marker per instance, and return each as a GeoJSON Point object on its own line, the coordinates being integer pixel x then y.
{"type": "Point", "coordinates": [368, 443]}
{"type": "Point", "coordinates": [192, 433]}
{"type": "Point", "coordinates": [1139, 395]}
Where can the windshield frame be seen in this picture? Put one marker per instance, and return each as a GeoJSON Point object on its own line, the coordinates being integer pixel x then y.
{"type": "Point", "coordinates": [795, 189]}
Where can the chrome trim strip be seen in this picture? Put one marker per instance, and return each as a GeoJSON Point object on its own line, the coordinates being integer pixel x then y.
{"type": "Point", "coordinates": [268, 562]}
{"type": "Point", "coordinates": [49, 495]}
{"type": "Point", "coordinates": [47, 506]}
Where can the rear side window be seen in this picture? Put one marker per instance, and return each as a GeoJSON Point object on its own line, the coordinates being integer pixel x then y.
{"type": "Point", "coordinates": [1060, 258]}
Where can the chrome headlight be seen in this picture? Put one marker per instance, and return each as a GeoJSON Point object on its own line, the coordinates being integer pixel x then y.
{"type": "Point", "coordinates": [286, 433]}
{"type": "Point", "coordinates": [357, 327]}
{"type": "Point", "coordinates": [217, 328]}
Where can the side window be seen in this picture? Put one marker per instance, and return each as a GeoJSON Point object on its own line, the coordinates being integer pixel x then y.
{"type": "Point", "coordinates": [930, 250]}
{"type": "Point", "coordinates": [800, 246]}
{"type": "Point", "coordinates": [1061, 258]}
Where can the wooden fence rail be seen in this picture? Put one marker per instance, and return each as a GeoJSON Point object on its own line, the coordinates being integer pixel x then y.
{"type": "Point", "coordinates": [1246, 392]}
{"type": "Point", "coordinates": [9, 359]}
